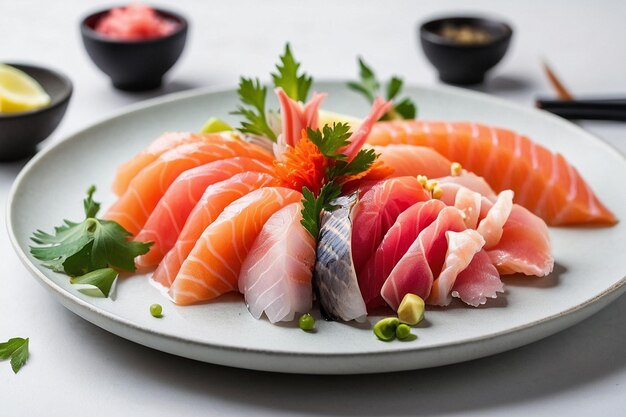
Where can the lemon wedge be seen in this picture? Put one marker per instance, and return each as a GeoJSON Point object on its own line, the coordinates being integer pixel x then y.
{"type": "Point", "coordinates": [20, 92]}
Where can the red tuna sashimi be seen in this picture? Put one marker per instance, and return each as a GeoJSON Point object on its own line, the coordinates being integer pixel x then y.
{"type": "Point", "coordinates": [276, 276]}
{"type": "Point", "coordinates": [133, 208]}
{"type": "Point", "coordinates": [377, 210]}
{"type": "Point", "coordinates": [423, 261]}
{"type": "Point", "coordinates": [215, 198]}
{"type": "Point", "coordinates": [169, 216]}
{"type": "Point", "coordinates": [477, 282]}
{"type": "Point", "coordinates": [544, 182]}
{"type": "Point", "coordinates": [213, 265]}
{"type": "Point", "coordinates": [409, 160]}
{"type": "Point", "coordinates": [524, 246]}
{"type": "Point", "coordinates": [394, 245]}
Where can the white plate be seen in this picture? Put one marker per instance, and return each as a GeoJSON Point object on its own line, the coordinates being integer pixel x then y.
{"type": "Point", "coordinates": [590, 263]}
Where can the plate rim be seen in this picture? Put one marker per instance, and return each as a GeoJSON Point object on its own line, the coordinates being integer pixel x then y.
{"type": "Point", "coordinates": [68, 297]}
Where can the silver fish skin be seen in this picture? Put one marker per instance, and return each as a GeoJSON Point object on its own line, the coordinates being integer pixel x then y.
{"type": "Point", "coordinates": [334, 277]}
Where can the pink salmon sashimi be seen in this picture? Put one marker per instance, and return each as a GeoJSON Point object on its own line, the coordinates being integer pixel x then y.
{"type": "Point", "coordinates": [167, 141]}
{"type": "Point", "coordinates": [214, 264]}
{"type": "Point", "coordinates": [134, 207]}
{"type": "Point", "coordinates": [394, 245]}
{"type": "Point", "coordinates": [169, 216]}
{"type": "Point", "coordinates": [409, 160]}
{"type": "Point", "coordinates": [276, 275]}
{"type": "Point", "coordinates": [478, 282]}
{"type": "Point", "coordinates": [543, 181]}
{"type": "Point", "coordinates": [214, 200]}
{"type": "Point", "coordinates": [377, 210]}
{"type": "Point", "coordinates": [423, 261]}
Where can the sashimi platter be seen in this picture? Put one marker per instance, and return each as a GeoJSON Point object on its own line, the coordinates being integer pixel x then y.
{"type": "Point", "coordinates": [310, 227]}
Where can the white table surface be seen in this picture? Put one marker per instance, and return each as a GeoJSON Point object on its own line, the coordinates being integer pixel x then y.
{"type": "Point", "coordinates": [78, 369]}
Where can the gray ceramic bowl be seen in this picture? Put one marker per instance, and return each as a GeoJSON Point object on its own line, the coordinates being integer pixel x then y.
{"type": "Point", "coordinates": [21, 132]}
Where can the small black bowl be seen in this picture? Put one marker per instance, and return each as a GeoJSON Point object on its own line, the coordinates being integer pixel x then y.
{"type": "Point", "coordinates": [134, 65]}
{"type": "Point", "coordinates": [464, 63]}
{"type": "Point", "coordinates": [21, 132]}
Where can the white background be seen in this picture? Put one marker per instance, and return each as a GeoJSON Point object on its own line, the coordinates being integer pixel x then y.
{"type": "Point", "coordinates": [79, 369]}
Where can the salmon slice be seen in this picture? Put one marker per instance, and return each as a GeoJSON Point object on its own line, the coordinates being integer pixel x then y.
{"type": "Point", "coordinates": [276, 275]}
{"type": "Point", "coordinates": [394, 245]}
{"type": "Point", "coordinates": [214, 200]}
{"type": "Point", "coordinates": [134, 207]}
{"type": "Point", "coordinates": [544, 182]}
{"type": "Point", "coordinates": [376, 212]}
{"type": "Point", "coordinates": [409, 160]}
{"type": "Point", "coordinates": [167, 141]}
{"type": "Point", "coordinates": [169, 216]}
{"type": "Point", "coordinates": [214, 264]}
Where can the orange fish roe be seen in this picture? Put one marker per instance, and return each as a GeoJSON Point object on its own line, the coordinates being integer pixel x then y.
{"type": "Point", "coordinates": [303, 166]}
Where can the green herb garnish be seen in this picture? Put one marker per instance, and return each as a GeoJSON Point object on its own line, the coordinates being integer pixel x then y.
{"type": "Point", "coordinates": [369, 87]}
{"type": "Point", "coordinates": [295, 86]}
{"type": "Point", "coordinates": [78, 249]}
{"type": "Point", "coordinates": [17, 350]}
{"type": "Point", "coordinates": [331, 139]}
{"type": "Point", "coordinates": [313, 206]}
{"type": "Point", "coordinates": [252, 94]}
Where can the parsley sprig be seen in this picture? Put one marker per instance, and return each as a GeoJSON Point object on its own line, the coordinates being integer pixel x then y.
{"type": "Point", "coordinates": [253, 95]}
{"type": "Point", "coordinates": [330, 141]}
{"type": "Point", "coordinates": [15, 349]}
{"type": "Point", "coordinates": [90, 249]}
{"type": "Point", "coordinates": [369, 86]}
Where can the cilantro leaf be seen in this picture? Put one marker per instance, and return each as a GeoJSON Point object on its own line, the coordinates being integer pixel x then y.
{"type": "Point", "coordinates": [369, 86]}
{"type": "Point", "coordinates": [362, 161]}
{"type": "Point", "coordinates": [295, 86]}
{"type": "Point", "coordinates": [331, 139]}
{"type": "Point", "coordinates": [102, 279]}
{"type": "Point", "coordinates": [91, 207]}
{"type": "Point", "coordinates": [77, 249]}
{"type": "Point", "coordinates": [16, 349]}
{"type": "Point", "coordinates": [313, 206]}
{"type": "Point", "coordinates": [253, 95]}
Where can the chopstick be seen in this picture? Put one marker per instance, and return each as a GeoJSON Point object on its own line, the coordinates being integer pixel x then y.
{"type": "Point", "coordinates": [561, 91]}
{"type": "Point", "coordinates": [592, 109]}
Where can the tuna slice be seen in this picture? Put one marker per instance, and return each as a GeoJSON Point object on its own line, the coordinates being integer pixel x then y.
{"type": "Point", "coordinates": [334, 277]}
{"type": "Point", "coordinates": [276, 276]}
{"type": "Point", "coordinates": [169, 216]}
{"type": "Point", "coordinates": [394, 245]}
{"type": "Point", "coordinates": [215, 198]}
{"type": "Point", "coordinates": [213, 266]}
{"type": "Point", "coordinates": [376, 212]}
{"type": "Point", "coordinates": [424, 259]}
{"type": "Point", "coordinates": [477, 282]}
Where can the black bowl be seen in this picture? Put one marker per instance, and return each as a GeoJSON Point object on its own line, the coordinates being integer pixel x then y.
{"type": "Point", "coordinates": [464, 63]}
{"type": "Point", "coordinates": [21, 132]}
{"type": "Point", "coordinates": [134, 65]}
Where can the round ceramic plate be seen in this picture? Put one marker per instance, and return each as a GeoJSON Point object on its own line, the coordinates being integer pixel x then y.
{"type": "Point", "coordinates": [589, 272]}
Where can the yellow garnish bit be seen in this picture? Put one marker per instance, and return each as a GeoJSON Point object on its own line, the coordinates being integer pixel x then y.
{"type": "Point", "coordinates": [422, 179]}
{"type": "Point", "coordinates": [455, 169]}
{"type": "Point", "coordinates": [430, 185]}
{"type": "Point", "coordinates": [437, 192]}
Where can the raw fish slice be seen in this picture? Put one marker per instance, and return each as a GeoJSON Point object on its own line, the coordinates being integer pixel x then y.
{"type": "Point", "coordinates": [470, 181]}
{"type": "Point", "coordinates": [276, 275]}
{"type": "Point", "coordinates": [423, 260]}
{"type": "Point", "coordinates": [169, 216]}
{"type": "Point", "coordinates": [477, 282]}
{"type": "Point", "coordinates": [543, 182]}
{"type": "Point", "coordinates": [334, 277]}
{"type": "Point", "coordinates": [409, 160]}
{"type": "Point", "coordinates": [296, 116]}
{"type": "Point", "coordinates": [490, 227]}
{"type": "Point", "coordinates": [214, 264]}
{"type": "Point", "coordinates": [214, 200]}
{"type": "Point", "coordinates": [133, 208]}
{"type": "Point", "coordinates": [394, 245]}
{"type": "Point", "coordinates": [524, 246]}
{"type": "Point", "coordinates": [358, 138]}
{"type": "Point", "coordinates": [469, 203]}
{"type": "Point", "coordinates": [377, 210]}
{"type": "Point", "coordinates": [462, 246]}
{"type": "Point", "coordinates": [167, 141]}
